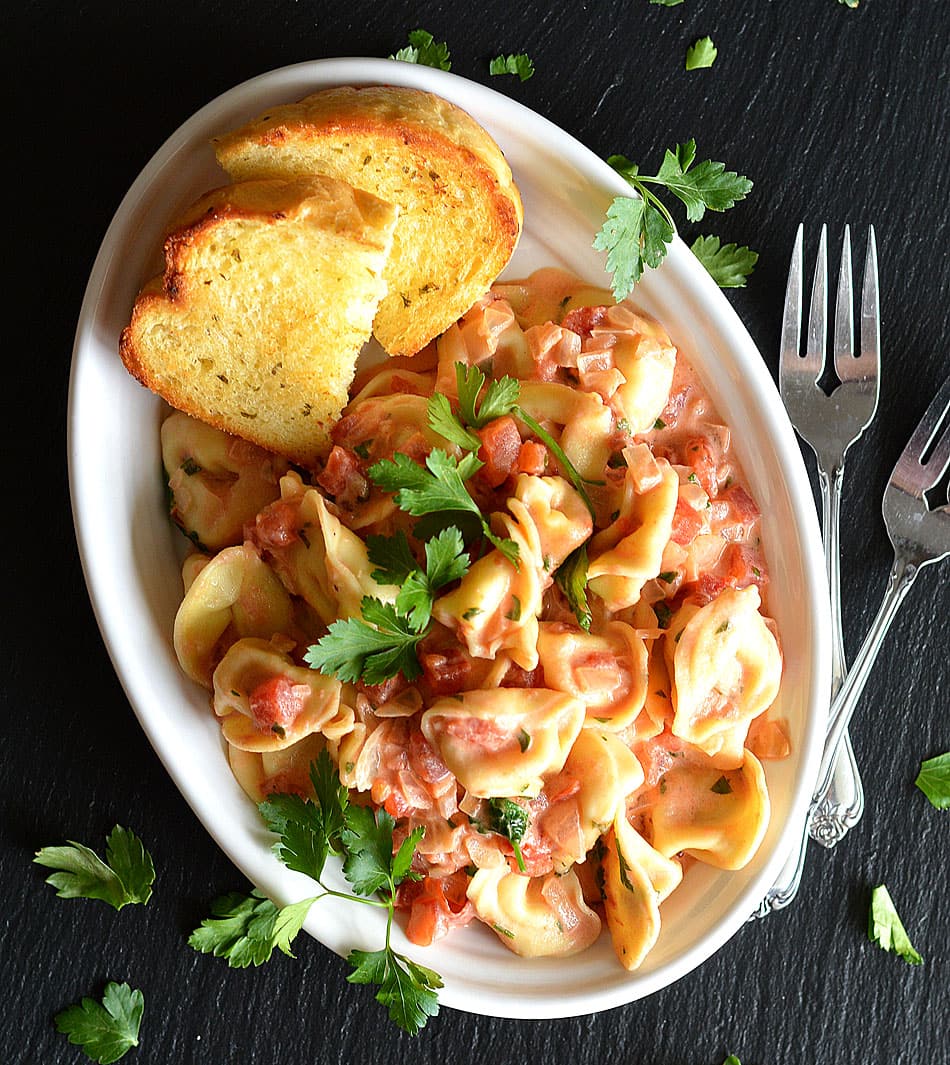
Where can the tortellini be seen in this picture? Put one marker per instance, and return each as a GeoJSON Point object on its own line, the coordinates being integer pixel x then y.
{"type": "Point", "coordinates": [316, 555]}
{"type": "Point", "coordinates": [725, 666]}
{"type": "Point", "coordinates": [630, 552]}
{"type": "Point", "coordinates": [267, 703]}
{"type": "Point", "coordinates": [535, 917]}
{"type": "Point", "coordinates": [233, 595]}
{"type": "Point", "coordinates": [218, 482]}
{"type": "Point", "coordinates": [637, 878]}
{"type": "Point", "coordinates": [716, 816]}
{"type": "Point", "coordinates": [504, 742]}
{"type": "Point", "coordinates": [607, 672]}
{"type": "Point", "coordinates": [647, 366]}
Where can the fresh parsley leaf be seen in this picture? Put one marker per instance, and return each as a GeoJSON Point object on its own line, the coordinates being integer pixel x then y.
{"type": "Point", "coordinates": [126, 876]}
{"type": "Point", "coordinates": [303, 844]}
{"type": "Point", "coordinates": [444, 421]}
{"type": "Point", "coordinates": [437, 487]}
{"type": "Point", "coordinates": [558, 452]}
{"type": "Point", "coordinates": [636, 232]}
{"type": "Point", "coordinates": [500, 397]}
{"type": "Point", "coordinates": [885, 927]}
{"type": "Point", "coordinates": [510, 820]}
{"type": "Point", "coordinates": [245, 929]}
{"type": "Point", "coordinates": [722, 786]}
{"type": "Point", "coordinates": [934, 780]}
{"type": "Point", "coordinates": [446, 561]}
{"type": "Point", "coordinates": [372, 650]}
{"type": "Point", "coordinates": [732, 1060]}
{"type": "Point", "coordinates": [520, 64]}
{"type": "Point", "coordinates": [571, 577]}
{"type": "Point", "coordinates": [425, 50]}
{"type": "Point", "coordinates": [701, 54]}
{"type": "Point", "coordinates": [105, 1031]}
{"type": "Point", "coordinates": [706, 185]}
{"type": "Point", "coordinates": [406, 989]}
{"type": "Point", "coordinates": [666, 3]}
{"type": "Point", "coordinates": [728, 264]}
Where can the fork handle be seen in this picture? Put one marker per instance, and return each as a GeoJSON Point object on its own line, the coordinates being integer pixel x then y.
{"type": "Point", "coordinates": [903, 574]}
{"type": "Point", "coordinates": [830, 484]}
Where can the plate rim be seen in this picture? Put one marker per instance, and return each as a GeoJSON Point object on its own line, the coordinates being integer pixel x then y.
{"type": "Point", "coordinates": [724, 318]}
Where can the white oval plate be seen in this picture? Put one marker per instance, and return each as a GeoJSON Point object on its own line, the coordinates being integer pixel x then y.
{"type": "Point", "coordinates": [130, 552]}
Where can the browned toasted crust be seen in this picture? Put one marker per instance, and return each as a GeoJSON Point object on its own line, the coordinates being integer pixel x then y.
{"type": "Point", "coordinates": [330, 131]}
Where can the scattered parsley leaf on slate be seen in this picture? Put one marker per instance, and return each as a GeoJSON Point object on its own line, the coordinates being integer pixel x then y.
{"type": "Point", "coordinates": [728, 264]}
{"type": "Point", "coordinates": [701, 54]}
{"type": "Point", "coordinates": [520, 65]}
{"type": "Point", "coordinates": [105, 1031]}
{"type": "Point", "coordinates": [667, 3]}
{"type": "Point", "coordinates": [885, 927]}
{"type": "Point", "coordinates": [125, 877]}
{"type": "Point", "coordinates": [934, 780]}
{"type": "Point", "coordinates": [425, 50]}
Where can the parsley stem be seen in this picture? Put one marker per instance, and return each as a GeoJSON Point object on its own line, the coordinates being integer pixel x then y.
{"type": "Point", "coordinates": [555, 447]}
{"type": "Point", "coordinates": [351, 898]}
{"type": "Point", "coordinates": [652, 198]}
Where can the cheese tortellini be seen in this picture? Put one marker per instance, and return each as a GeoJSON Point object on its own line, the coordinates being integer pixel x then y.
{"type": "Point", "coordinates": [560, 724]}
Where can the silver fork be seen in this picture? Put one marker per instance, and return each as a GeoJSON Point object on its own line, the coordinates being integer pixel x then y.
{"type": "Point", "coordinates": [920, 535]}
{"type": "Point", "coordinates": [829, 425]}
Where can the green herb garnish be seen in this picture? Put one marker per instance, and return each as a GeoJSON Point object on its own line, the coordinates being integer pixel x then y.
{"type": "Point", "coordinates": [885, 927]}
{"type": "Point", "coordinates": [105, 1031]}
{"type": "Point", "coordinates": [934, 780]}
{"type": "Point", "coordinates": [425, 50]}
{"type": "Point", "coordinates": [520, 65]}
{"type": "Point", "coordinates": [571, 578]}
{"type": "Point", "coordinates": [701, 54]}
{"type": "Point", "coordinates": [728, 264]}
{"type": "Point", "coordinates": [509, 819]}
{"type": "Point", "coordinates": [637, 230]}
{"type": "Point", "coordinates": [248, 927]}
{"type": "Point", "coordinates": [125, 877]}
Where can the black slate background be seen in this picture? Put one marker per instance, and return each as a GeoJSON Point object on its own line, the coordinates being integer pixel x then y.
{"type": "Point", "coordinates": [838, 115]}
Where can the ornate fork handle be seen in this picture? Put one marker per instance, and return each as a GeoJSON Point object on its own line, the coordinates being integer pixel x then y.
{"type": "Point", "coordinates": [903, 574]}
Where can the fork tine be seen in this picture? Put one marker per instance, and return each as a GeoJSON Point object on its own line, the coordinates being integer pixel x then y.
{"type": "Point", "coordinates": [844, 310]}
{"type": "Point", "coordinates": [870, 304]}
{"type": "Point", "coordinates": [818, 311]}
{"type": "Point", "coordinates": [792, 315]}
{"type": "Point", "coordinates": [907, 472]}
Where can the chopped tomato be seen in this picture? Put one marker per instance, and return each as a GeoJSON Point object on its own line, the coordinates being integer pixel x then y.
{"type": "Point", "coordinates": [516, 677]}
{"type": "Point", "coordinates": [343, 477]}
{"type": "Point", "coordinates": [583, 320]}
{"type": "Point", "coordinates": [424, 759]}
{"type": "Point", "coordinates": [686, 523]}
{"type": "Point", "coordinates": [378, 694]}
{"type": "Point", "coordinates": [532, 458]}
{"type": "Point", "coordinates": [435, 904]}
{"type": "Point", "coordinates": [276, 525]}
{"type": "Point", "coordinates": [698, 455]}
{"type": "Point", "coordinates": [446, 671]}
{"type": "Point", "coordinates": [742, 506]}
{"type": "Point", "coordinates": [501, 445]}
{"type": "Point", "coordinates": [275, 703]}
{"type": "Point", "coordinates": [739, 567]}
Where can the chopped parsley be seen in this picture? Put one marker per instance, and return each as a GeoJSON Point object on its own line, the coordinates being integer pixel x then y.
{"type": "Point", "coordinates": [701, 54]}
{"type": "Point", "coordinates": [509, 819]}
{"type": "Point", "coordinates": [885, 927]}
{"type": "Point", "coordinates": [520, 65]}
{"type": "Point", "coordinates": [425, 50]}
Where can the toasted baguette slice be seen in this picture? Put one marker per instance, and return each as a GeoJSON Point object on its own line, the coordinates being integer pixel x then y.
{"type": "Point", "coordinates": [461, 212]}
{"type": "Point", "coordinates": [268, 295]}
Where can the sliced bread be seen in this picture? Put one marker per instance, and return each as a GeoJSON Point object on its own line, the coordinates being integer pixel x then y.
{"type": "Point", "coordinates": [460, 211]}
{"type": "Point", "coordinates": [269, 293]}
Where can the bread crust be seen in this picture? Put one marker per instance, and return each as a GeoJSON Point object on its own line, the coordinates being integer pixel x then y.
{"type": "Point", "coordinates": [452, 183]}
{"type": "Point", "coordinates": [175, 329]}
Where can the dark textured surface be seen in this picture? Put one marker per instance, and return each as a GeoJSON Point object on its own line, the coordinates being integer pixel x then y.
{"type": "Point", "coordinates": [838, 115]}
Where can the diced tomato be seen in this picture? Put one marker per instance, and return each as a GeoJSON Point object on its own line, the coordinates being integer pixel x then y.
{"type": "Point", "coordinates": [560, 787]}
{"type": "Point", "coordinates": [686, 523]}
{"type": "Point", "coordinates": [698, 455]}
{"type": "Point", "coordinates": [378, 694]}
{"type": "Point", "coordinates": [501, 445]}
{"type": "Point", "coordinates": [739, 567]}
{"type": "Point", "coordinates": [276, 525]}
{"type": "Point", "coordinates": [532, 458]}
{"type": "Point", "coordinates": [343, 477]}
{"type": "Point", "coordinates": [275, 703]}
{"type": "Point", "coordinates": [742, 506]}
{"type": "Point", "coordinates": [435, 904]}
{"type": "Point", "coordinates": [446, 671]}
{"type": "Point", "coordinates": [516, 677]}
{"type": "Point", "coordinates": [583, 320]}
{"type": "Point", "coordinates": [424, 759]}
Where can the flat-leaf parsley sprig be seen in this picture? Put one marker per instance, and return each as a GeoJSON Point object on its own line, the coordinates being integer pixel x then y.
{"type": "Point", "coordinates": [500, 399]}
{"type": "Point", "coordinates": [638, 229]}
{"type": "Point", "coordinates": [384, 641]}
{"type": "Point", "coordinates": [245, 929]}
{"type": "Point", "coordinates": [126, 876]}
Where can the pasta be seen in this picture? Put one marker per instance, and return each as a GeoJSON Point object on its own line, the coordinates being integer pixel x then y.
{"type": "Point", "coordinates": [575, 677]}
